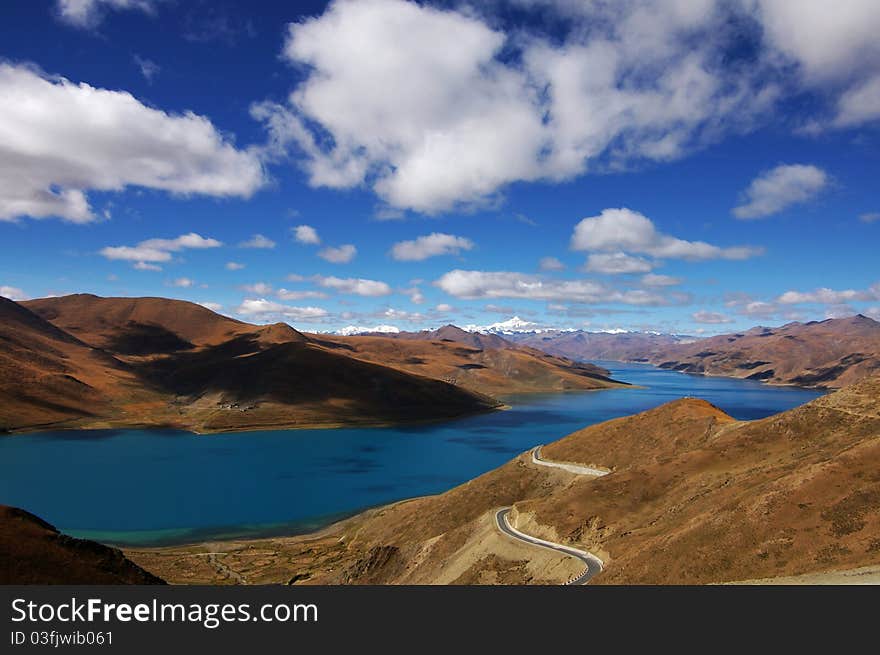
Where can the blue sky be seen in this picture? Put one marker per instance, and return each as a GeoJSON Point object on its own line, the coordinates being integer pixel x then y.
{"type": "Point", "coordinates": [695, 167]}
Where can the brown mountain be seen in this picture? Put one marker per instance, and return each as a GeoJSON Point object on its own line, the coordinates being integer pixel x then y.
{"type": "Point", "coordinates": [608, 346]}
{"type": "Point", "coordinates": [140, 326]}
{"type": "Point", "coordinates": [34, 552]}
{"type": "Point", "coordinates": [822, 354]}
{"type": "Point", "coordinates": [454, 333]}
{"type": "Point", "coordinates": [158, 362]}
{"type": "Point", "coordinates": [693, 497]}
{"type": "Point", "coordinates": [486, 370]}
{"type": "Point", "coordinates": [48, 376]}
{"type": "Point", "coordinates": [85, 361]}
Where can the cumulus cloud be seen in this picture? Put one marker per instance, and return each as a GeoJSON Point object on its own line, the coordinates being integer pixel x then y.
{"type": "Point", "coordinates": [213, 306]}
{"type": "Point", "coordinates": [59, 140]}
{"type": "Point", "coordinates": [711, 318]}
{"type": "Point", "coordinates": [830, 296]}
{"type": "Point", "coordinates": [340, 255]}
{"type": "Point", "coordinates": [234, 266]}
{"type": "Point", "coordinates": [455, 125]}
{"type": "Point", "coordinates": [288, 294]}
{"type": "Point", "coordinates": [827, 40]}
{"type": "Point", "coordinates": [861, 104]}
{"type": "Point", "coordinates": [13, 293]}
{"type": "Point", "coordinates": [263, 309]}
{"type": "Point", "coordinates": [158, 250]}
{"type": "Point", "coordinates": [779, 188]}
{"type": "Point", "coordinates": [869, 217]}
{"type": "Point", "coordinates": [88, 13]}
{"type": "Point", "coordinates": [306, 234]}
{"type": "Point", "coordinates": [505, 284]}
{"type": "Point", "coordinates": [551, 264]}
{"type": "Point", "coordinates": [356, 286]}
{"type": "Point", "coordinates": [258, 241]}
{"type": "Point", "coordinates": [431, 245]}
{"type": "Point", "coordinates": [612, 263]}
{"type": "Point", "coordinates": [619, 230]}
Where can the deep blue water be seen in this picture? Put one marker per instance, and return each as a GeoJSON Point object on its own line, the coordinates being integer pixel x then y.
{"type": "Point", "coordinates": [150, 487]}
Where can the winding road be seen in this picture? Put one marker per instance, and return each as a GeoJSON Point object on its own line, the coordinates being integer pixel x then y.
{"type": "Point", "coordinates": [571, 468]}
{"type": "Point", "coordinates": [592, 564]}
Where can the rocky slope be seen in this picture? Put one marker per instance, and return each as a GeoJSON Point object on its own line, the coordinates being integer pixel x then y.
{"type": "Point", "coordinates": [823, 354]}
{"type": "Point", "coordinates": [34, 552]}
{"type": "Point", "coordinates": [492, 371]}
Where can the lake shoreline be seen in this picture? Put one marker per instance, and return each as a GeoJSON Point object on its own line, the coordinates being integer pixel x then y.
{"type": "Point", "coordinates": [139, 488]}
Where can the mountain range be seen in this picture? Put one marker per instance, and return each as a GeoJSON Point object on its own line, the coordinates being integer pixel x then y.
{"type": "Point", "coordinates": [825, 354]}
{"type": "Point", "coordinates": [83, 361]}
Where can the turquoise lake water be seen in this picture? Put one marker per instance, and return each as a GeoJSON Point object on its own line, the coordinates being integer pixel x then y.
{"type": "Point", "coordinates": [140, 487]}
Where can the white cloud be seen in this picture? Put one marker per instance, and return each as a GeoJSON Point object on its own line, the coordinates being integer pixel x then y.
{"type": "Point", "coordinates": [258, 288]}
{"type": "Point", "coordinates": [869, 217]}
{"type": "Point", "coordinates": [612, 263]}
{"type": "Point", "coordinates": [453, 125]}
{"type": "Point", "coordinates": [627, 230]}
{"type": "Point", "coordinates": [288, 294]}
{"type": "Point", "coordinates": [306, 234]}
{"type": "Point", "coordinates": [873, 312]}
{"type": "Point", "coordinates": [340, 255]}
{"type": "Point", "coordinates": [431, 245]}
{"type": "Point", "coordinates": [828, 40]}
{"type": "Point", "coordinates": [655, 280]}
{"type": "Point", "coordinates": [551, 264]}
{"type": "Point", "coordinates": [144, 266]}
{"type": "Point", "coordinates": [415, 295]}
{"type": "Point", "coordinates": [356, 286]}
{"type": "Point", "coordinates": [830, 296]}
{"type": "Point", "coordinates": [158, 250]}
{"type": "Point", "coordinates": [88, 13]}
{"type": "Point", "coordinates": [13, 293]}
{"type": "Point", "coordinates": [779, 188]}
{"type": "Point", "coordinates": [183, 282]}
{"type": "Point", "coordinates": [58, 140]}
{"type": "Point", "coordinates": [258, 241]}
{"type": "Point", "coordinates": [401, 315]}
{"type": "Point", "coordinates": [136, 253]}
{"type": "Point", "coordinates": [213, 306]}
{"type": "Point", "coordinates": [444, 307]}
{"type": "Point", "coordinates": [861, 104]}
{"type": "Point", "coordinates": [505, 284]}
{"type": "Point", "coordinates": [262, 308]}
{"type": "Point", "coordinates": [234, 266]}
{"type": "Point", "coordinates": [710, 317]}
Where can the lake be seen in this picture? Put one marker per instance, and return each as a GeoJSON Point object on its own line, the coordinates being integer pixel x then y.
{"type": "Point", "coordinates": [154, 487]}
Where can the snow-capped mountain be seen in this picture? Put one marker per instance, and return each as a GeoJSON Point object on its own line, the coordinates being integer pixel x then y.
{"type": "Point", "coordinates": [515, 325]}
{"type": "Point", "coordinates": [352, 330]}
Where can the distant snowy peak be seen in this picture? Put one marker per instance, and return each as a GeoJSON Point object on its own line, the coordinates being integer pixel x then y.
{"type": "Point", "coordinates": [353, 330]}
{"type": "Point", "coordinates": [514, 325]}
